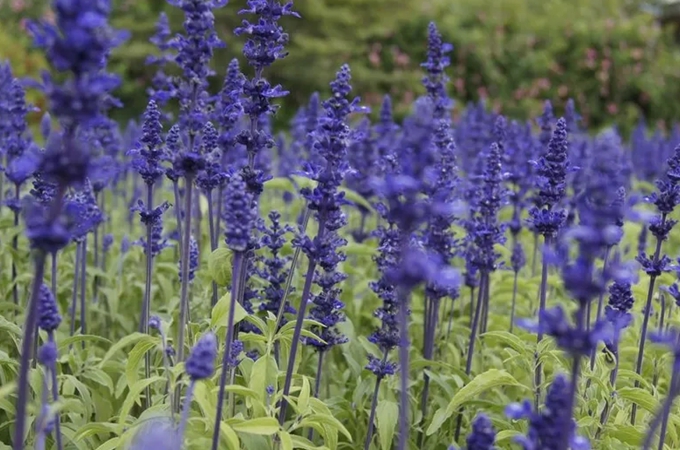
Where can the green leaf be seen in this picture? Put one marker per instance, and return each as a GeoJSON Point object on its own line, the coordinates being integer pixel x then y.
{"type": "Point", "coordinates": [627, 434]}
{"type": "Point", "coordinates": [69, 341]}
{"type": "Point", "coordinates": [133, 396]}
{"type": "Point", "coordinates": [233, 442]}
{"type": "Point", "coordinates": [506, 435]}
{"type": "Point", "coordinates": [110, 444]}
{"type": "Point", "coordinates": [639, 396]}
{"type": "Point", "coordinates": [124, 342]}
{"type": "Point", "coordinates": [325, 420]}
{"type": "Point", "coordinates": [263, 374]}
{"type": "Point", "coordinates": [220, 264]}
{"type": "Point", "coordinates": [134, 358]}
{"type": "Point", "coordinates": [264, 426]}
{"type": "Point", "coordinates": [220, 312]}
{"type": "Point", "coordinates": [286, 441]}
{"type": "Point", "coordinates": [7, 389]}
{"type": "Point", "coordinates": [303, 398]}
{"type": "Point", "coordinates": [304, 443]}
{"type": "Point", "coordinates": [387, 415]}
{"type": "Point", "coordinates": [510, 340]}
{"type": "Point", "coordinates": [481, 383]}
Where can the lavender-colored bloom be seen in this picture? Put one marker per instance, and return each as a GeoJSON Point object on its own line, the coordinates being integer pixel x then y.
{"type": "Point", "coordinates": [155, 322]}
{"type": "Point", "coordinates": [193, 258]}
{"type": "Point", "coordinates": [238, 215]}
{"type": "Point", "coordinates": [158, 433]}
{"type": "Point", "coordinates": [435, 66]}
{"type": "Point", "coordinates": [274, 271]}
{"type": "Point", "coordinates": [551, 173]}
{"type": "Point", "coordinates": [80, 43]}
{"type": "Point", "coordinates": [201, 361]}
{"type": "Point", "coordinates": [553, 427]}
{"type": "Point", "coordinates": [237, 348]}
{"type": "Point", "coordinates": [48, 311]}
{"type": "Point", "coordinates": [483, 435]}
{"type": "Point", "coordinates": [147, 157]}
{"type": "Point", "coordinates": [195, 48]}
{"type": "Point", "coordinates": [228, 109]}
{"type": "Point", "coordinates": [107, 242]}
{"type": "Point", "coordinates": [266, 37]}
{"type": "Point", "coordinates": [517, 259]}
{"type": "Point", "coordinates": [47, 354]}
{"type": "Point", "coordinates": [212, 176]}
{"type": "Point", "coordinates": [575, 340]}
{"type": "Point", "coordinates": [83, 213]}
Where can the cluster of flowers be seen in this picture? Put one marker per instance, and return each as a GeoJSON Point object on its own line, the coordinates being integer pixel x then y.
{"type": "Point", "coordinates": [420, 180]}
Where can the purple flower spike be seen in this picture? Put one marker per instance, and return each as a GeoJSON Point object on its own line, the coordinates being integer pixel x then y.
{"type": "Point", "coordinates": [201, 361]}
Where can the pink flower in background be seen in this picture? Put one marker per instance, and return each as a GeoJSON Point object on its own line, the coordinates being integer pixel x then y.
{"type": "Point", "coordinates": [374, 55]}
{"type": "Point", "coordinates": [518, 94]}
{"type": "Point", "coordinates": [612, 108]}
{"type": "Point", "coordinates": [563, 90]}
{"type": "Point", "coordinates": [459, 84]}
{"type": "Point", "coordinates": [482, 92]}
{"type": "Point", "coordinates": [18, 5]}
{"type": "Point", "coordinates": [637, 53]}
{"type": "Point", "coordinates": [408, 97]}
{"type": "Point", "coordinates": [591, 56]}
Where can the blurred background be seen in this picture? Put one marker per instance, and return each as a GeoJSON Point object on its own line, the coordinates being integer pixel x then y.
{"type": "Point", "coordinates": [618, 59]}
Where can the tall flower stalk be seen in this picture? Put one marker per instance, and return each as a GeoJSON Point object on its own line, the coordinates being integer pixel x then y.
{"type": "Point", "coordinates": [325, 199]}
{"type": "Point", "coordinates": [665, 198]}
{"type": "Point", "coordinates": [547, 216]}
{"type": "Point", "coordinates": [194, 51]}
{"type": "Point", "coordinates": [65, 162]}
{"type": "Point", "coordinates": [438, 237]}
{"type": "Point", "coordinates": [239, 219]}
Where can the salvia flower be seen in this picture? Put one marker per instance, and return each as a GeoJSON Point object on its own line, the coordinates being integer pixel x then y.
{"type": "Point", "coordinates": [147, 157]}
{"type": "Point", "coordinates": [553, 427]}
{"type": "Point", "coordinates": [201, 361]}
{"type": "Point", "coordinates": [551, 172]}
{"type": "Point", "coordinates": [483, 435]}
{"type": "Point", "coordinates": [274, 270]}
{"type": "Point", "coordinates": [238, 215]}
{"type": "Point", "coordinates": [48, 311]}
{"type": "Point", "coordinates": [193, 258]}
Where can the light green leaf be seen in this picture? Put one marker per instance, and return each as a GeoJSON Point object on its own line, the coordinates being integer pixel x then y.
{"type": "Point", "coordinates": [7, 390]}
{"type": "Point", "coordinates": [220, 264]}
{"type": "Point", "coordinates": [304, 443]}
{"type": "Point", "coordinates": [325, 420]}
{"type": "Point", "coordinates": [220, 312]}
{"type": "Point", "coordinates": [387, 415]}
{"type": "Point", "coordinates": [233, 442]}
{"type": "Point", "coordinates": [639, 396]}
{"type": "Point", "coordinates": [303, 398]}
{"type": "Point", "coordinates": [627, 434]}
{"type": "Point", "coordinates": [264, 426]}
{"type": "Point", "coordinates": [286, 441]}
{"type": "Point", "coordinates": [508, 339]}
{"type": "Point", "coordinates": [481, 383]}
{"type": "Point", "coordinates": [124, 342]}
{"type": "Point", "coordinates": [135, 357]}
{"type": "Point", "coordinates": [263, 374]}
{"type": "Point", "coordinates": [133, 396]}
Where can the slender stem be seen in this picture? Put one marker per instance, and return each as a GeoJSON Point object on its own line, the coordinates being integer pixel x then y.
{"type": "Point", "coordinates": [660, 325]}
{"type": "Point", "coordinates": [26, 346]}
{"type": "Point", "coordinates": [213, 240]}
{"type": "Point", "coordinates": [317, 382]}
{"type": "Point", "coordinates": [471, 344]}
{"type": "Point", "coordinates": [95, 281]}
{"type": "Point", "coordinates": [185, 413]}
{"type": "Point", "coordinates": [374, 406]}
{"type": "Point", "coordinates": [218, 213]}
{"type": "Point", "coordinates": [178, 209]}
{"type": "Point", "coordinates": [41, 423]}
{"type": "Point", "coordinates": [660, 416]}
{"type": "Point", "coordinates": [54, 273]}
{"type": "Point", "coordinates": [184, 255]}
{"type": "Point", "coordinates": [74, 295]}
{"type": "Point", "coordinates": [306, 290]}
{"type": "Point", "coordinates": [535, 257]}
{"type": "Point", "coordinates": [538, 375]}
{"type": "Point", "coordinates": [428, 352]}
{"type": "Point", "coordinates": [672, 391]}
{"type": "Point", "coordinates": [472, 306]}
{"type": "Point", "coordinates": [514, 302]}
{"type": "Point", "coordinates": [612, 381]}
{"type": "Point", "coordinates": [83, 285]}
{"type": "Point", "coordinates": [55, 397]}
{"type": "Point", "coordinates": [404, 346]}
{"type": "Point", "coordinates": [146, 303]}
{"type": "Point", "coordinates": [645, 322]}
{"type": "Point", "coordinates": [485, 317]}
{"type": "Point", "coordinates": [600, 300]}
{"type": "Point", "coordinates": [317, 386]}
{"type": "Point", "coordinates": [575, 370]}
{"type": "Point", "coordinates": [291, 272]}
{"type": "Point", "coordinates": [236, 277]}
{"type": "Point", "coordinates": [15, 247]}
